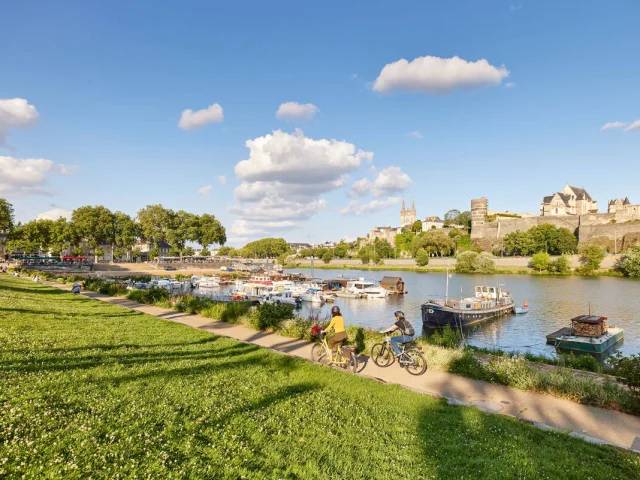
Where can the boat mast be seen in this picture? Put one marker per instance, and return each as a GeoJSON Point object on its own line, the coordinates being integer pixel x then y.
{"type": "Point", "coordinates": [446, 295]}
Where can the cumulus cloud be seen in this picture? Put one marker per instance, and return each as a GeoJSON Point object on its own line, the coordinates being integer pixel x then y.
{"type": "Point", "coordinates": [634, 127]}
{"type": "Point", "coordinates": [414, 134]}
{"type": "Point", "coordinates": [284, 178]}
{"type": "Point", "coordinates": [390, 180]}
{"type": "Point", "coordinates": [222, 179]}
{"type": "Point", "coordinates": [611, 125]}
{"type": "Point", "coordinates": [15, 113]}
{"type": "Point", "coordinates": [190, 120]}
{"type": "Point", "coordinates": [296, 111]}
{"type": "Point", "coordinates": [438, 76]}
{"type": "Point", "coordinates": [374, 206]}
{"type": "Point", "coordinates": [204, 191]}
{"type": "Point", "coordinates": [28, 175]}
{"type": "Point", "coordinates": [54, 214]}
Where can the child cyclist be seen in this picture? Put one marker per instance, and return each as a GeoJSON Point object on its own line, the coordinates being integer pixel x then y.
{"type": "Point", "coordinates": [406, 330]}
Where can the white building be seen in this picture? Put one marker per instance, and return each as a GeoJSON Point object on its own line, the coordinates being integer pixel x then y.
{"type": "Point", "coordinates": [430, 223]}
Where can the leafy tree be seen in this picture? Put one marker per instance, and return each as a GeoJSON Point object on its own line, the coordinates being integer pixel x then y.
{"type": "Point", "coordinates": [364, 255]}
{"type": "Point", "coordinates": [519, 243]}
{"type": "Point", "coordinates": [224, 251]}
{"type": "Point", "coordinates": [545, 238]}
{"type": "Point", "coordinates": [341, 250]}
{"type": "Point", "coordinates": [629, 263]}
{"type": "Point", "coordinates": [422, 257]}
{"type": "Point", "coordinates": [541, 261]}
{"type": "Point", "coordinates": [434, 242]}
{"type": "Point", "coordinates": [6, 216]}
{"type": "Point", "coordinates": [560, 265]}
{"type": "Point", "coordinates": [383, 248]}
{"type": "Point", "coordinates": [188, 252]}
{"type": "Point", "coordinates": [450, 216]}
{"type": "Point", "coordinates": [32, 237]}
{"type": "Point", "coordinates": [305, 253]}
{"type": "Point", "coordinates": [77, 251]}
{"type": "Point", "coordinates": [206, 253]}
{"type": "Point", "coordinates": [153, 253]}
{"type": "Point", "coordinates": [417, 226]}
{"type": "Point", "coordinates": [591, 258]}
{"type": "Point", "coordinates": [567, 242]}
{"type": "Point", "coordinates": [327, 257]}
{"type": "Point", "coordinates": [484, 263]}
{"type": "Point", "coordinates": [403, 242]}
{"type": "Point", "coordinates": [95, 224]}
{"type": "Point", "coordinates": [319, 252]}
{"type": "Point", "coordinates": [466, 261]}
{"type": "Point", "coordinates": [125, 232]}
{"type": "Point", "coordinates": [464, 220]}
{"type": "Point", "coordinates": [210, 231]}
{"type": "Point", "coordinates": [155, 222]}
{"type": "Point", "coordinates": [120, 252]}
{"type": "Point", "coordinates": [99, 252]}
{"type": "Point", "coordinates": [265, 248]}
{"type": "Point", "coordinates": [136, 253]}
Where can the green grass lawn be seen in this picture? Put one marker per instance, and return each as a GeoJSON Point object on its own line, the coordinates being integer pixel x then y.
{"type": "Point", "coordinates": [89, 389]}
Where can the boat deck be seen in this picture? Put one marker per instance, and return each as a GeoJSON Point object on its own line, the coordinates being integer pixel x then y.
{"type": "Point", "coordinates": [563, 339]}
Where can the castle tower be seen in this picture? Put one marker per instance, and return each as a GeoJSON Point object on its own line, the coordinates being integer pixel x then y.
{"type": "Point", "coordinates": [479, 208]}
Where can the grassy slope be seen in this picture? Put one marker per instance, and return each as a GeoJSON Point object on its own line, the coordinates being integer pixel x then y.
{"type": "Point", "coordinates": [87, 386]}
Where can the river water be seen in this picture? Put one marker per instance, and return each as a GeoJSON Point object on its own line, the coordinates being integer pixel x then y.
{"type": "Point", "coordinates": [553, 301]}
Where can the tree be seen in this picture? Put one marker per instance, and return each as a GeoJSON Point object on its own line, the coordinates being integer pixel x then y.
{"type": "Point", "coordinates": [541, 261]}
{"type": "Point", "coordinates": [341, 250]}
{"type": "Point", "coordinates": [265, 248]}
{"type": "Point", "coordinates": [464, 220]}
{"type": "Point", "coordinates": [484, 263]}
{"type": "Point", "coordinates": [154, 252]}
{"type": "Point", "coordinates": [210, 231]}
{"type": "Point", "coordinates": [223, 251]}
{"type": "Point", "coordinates": [567, 242]}
{"type": "Point", "coordinates": [364, 255]}
{"type": "Point", "coordinates": [32, 237]}
{"type": "Point", "coordinates": [450, 216]}
{"type": "Point", "coordinates": [403, 242]}
{"type": "Point", "coordinates": [99, 252]}
{"type": "Point", "coordinates": [422, 257]}
{"type": "Point", "coordinates": [465, 262]}
{"type": "Point", "coordinates": [591, 258]}
{"type": "Point", "coordinates": [155, 222]}
{"type": "Point", "coordinates": [125, 233]}
{"type": "Point", "coordinates": [6, 216]}
{"type": "Point", "coordinates": [188, 252]}
{"type": "Point", "coordinates": [305, 253]}
{"type": "Point", "coordinates": [629, 263]}
{"type": "Point", "coordinates": [434, 242]}
{"type": "Point", "coordinates": [95, 224]}
{"type": "Point", "coordinates": [417, 226]}
{"type": "Point", "coordinates": [383, 248]}
{"type": "Point", "coordinates": [519, 243]}
{"type": "Point", "coordinates": [327, 257]}
{"type": "Point", "coordinates": [135, 253]}
{"type": "Point", "coordinates": [560, 265]}
{"type": "Point", "coordinates": [206, 253]}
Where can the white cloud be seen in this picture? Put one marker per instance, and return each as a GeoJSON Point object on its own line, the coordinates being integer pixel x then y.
{"type": "Point", "coordinates": [190, 120]}
{"type": "Point", "coordinates": [204, 191]}
{"type": "Point", "coordinates": [373, 206]}
{"type": "Point", "coordinates": [390, 180]}
{"type": "Point", "coordinates": [54, 214]}
{"type": "Point", "coordinates": [414, 134]}
{"type": "Point", "coordinates": [15, 113]}
{"type": "Point", "coordinates": [437, 75]}
{"type": "Point", "coordinates": [28, 175]}
{"type": "Point", "coordinates": [514, 8]}
{"type": "Point", "coordinates": [510, 84]}
{"type": "Point", "coordinates": [610, 125]}
{"type": "Point", "coordinates": [635, 126]}
{"type": "Point", "coordinates": [222, 179]}
{"type": "Point", "coordinates": [296, 111]}
{"type": "Point", "coordinates": [284, 178]}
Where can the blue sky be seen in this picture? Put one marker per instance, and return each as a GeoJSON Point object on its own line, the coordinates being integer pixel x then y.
{"type": "Point", "coordinates": [110, 81]}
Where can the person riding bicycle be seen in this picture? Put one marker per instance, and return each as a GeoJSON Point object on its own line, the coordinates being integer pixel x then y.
{"type": "Point", "coordinates": [406, 329]}
{"type": "Point", "coordinates": [337, 324]}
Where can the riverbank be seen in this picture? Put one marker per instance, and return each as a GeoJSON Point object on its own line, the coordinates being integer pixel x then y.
{"type": "Point", "coordinates": [553, 378]}
{"type": "Point", "coordinates": [102, 389]}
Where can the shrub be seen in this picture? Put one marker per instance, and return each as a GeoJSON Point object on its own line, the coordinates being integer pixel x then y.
{"type": "Point", "coordinates": [560, 265]}
{"type": "Point", "coordinates": [627, 371]}
{"type": "Point", "coordinates": [591, 258]}
{"type": "Point", "coordinates": [422, 257]}
{"type": "Point", "coordinates": [191, 304]}
{"type": "Point", "coordinates": [328, 255]}
{"type": "Point", "coordinates": [150, 296]}
{"type": "Point", "coordinates": [629, 263]}
{"type": "Point", "coordinates": [360, 340]}
{"type": "Point", "coordinates": [447, 337]}
{"type": "Point", "coordinates": [484, 263]}
{"type": "Point", "coordinates": [465, 262]}
{"type": "Point", "coordinates": [270, 316]}
{"type": "Point", "coordinates": [541, 261]}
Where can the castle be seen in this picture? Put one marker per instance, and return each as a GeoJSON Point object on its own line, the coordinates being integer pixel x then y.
{"type": "Point", "coordinates": [408, 215]}
{"type": "Point", "coordinates": [569, 201]}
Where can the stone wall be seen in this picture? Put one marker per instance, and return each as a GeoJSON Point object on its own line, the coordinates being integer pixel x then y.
{"type": "Point", "coordinates": [622, 232]}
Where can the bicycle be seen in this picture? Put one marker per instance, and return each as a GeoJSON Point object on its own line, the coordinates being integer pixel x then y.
{"type": "Point", "coordinates": [345, 355]}
{"type": "Point", "coordinates": [410, 358]}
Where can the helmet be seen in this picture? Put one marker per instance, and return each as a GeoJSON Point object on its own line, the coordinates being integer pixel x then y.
{"type": "Point", "coordinates": [399, 315]}
{"type": "Point", "coordinates": [335, 310]}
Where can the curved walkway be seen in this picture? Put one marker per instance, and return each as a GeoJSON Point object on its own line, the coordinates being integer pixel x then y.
{"type": "Point", "coordinates": [543, 411]}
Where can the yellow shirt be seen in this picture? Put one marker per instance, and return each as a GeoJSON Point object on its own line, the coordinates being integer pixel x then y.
{"type": "Point", "coordinates": [337, 323]}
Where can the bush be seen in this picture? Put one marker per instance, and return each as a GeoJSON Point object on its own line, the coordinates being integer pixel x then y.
{"type": "Point", "coordinates": [541, 261]}
{"type": "Point", "coordinates": [422, 258]}
{"type": "Point", "coordinates": [270, 316]}
{"type": "Point", "coordinates": [327, 257]}
{"type": "Point", "coordinates": [627, 371]}
{"type": "Point", "coordinates": [591, 258]}
{"type": "Point", "coordinates": [447, 337]}
{"type": "Point", "coordinates": [150, 296]}
{"type": "Point", "coordinates": [473, 262]}
{"type": "Point", "coordinates": [560, 265]}
{"type": "Point", "coordinates": [191, 304]}
{"type": "Point", "coordinates": [485, 263]}
{"type": "Point", "coordinates": [629, 263]}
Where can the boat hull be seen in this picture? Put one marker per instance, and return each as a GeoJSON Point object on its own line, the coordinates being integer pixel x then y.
{"type": "Point", "coordinates": [435, 315]}
{"type": "Point", "coordinates": [586, 344]}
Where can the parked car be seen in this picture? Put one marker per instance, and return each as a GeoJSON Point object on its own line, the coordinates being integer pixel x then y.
{"type": "Point", "coordinates": [169, 267]}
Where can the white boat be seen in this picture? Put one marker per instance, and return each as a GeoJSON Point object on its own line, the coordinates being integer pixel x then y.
{"type": "Point", "coordinates": [252, 291]}
{"type": "Point", "coordinates": [370, 289]}
{"type": "Point", "coordinates": [208, 282]}
{"type": "Point", "coordinates": [281, 297]}
{"type": "Point", "coordinates": [313, 295]}
{"type": "Point", "coordinates": [195, 281]}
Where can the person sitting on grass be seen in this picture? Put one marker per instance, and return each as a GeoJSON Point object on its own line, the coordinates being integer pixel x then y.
{"type": "Point", "coordinates": [406, 330]}
{"type": "Point", "coordinates": [340, 336]}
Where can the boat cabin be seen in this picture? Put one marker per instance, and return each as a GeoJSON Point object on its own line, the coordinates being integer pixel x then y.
{"type": "Point", "coordinates": [589, 325]}
{"type": "Point", "coordinates": [392, 284]}
{"type": "Point", "coordinates": [470, 304]}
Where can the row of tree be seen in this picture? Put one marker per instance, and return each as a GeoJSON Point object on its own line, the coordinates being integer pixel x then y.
{"type": "Point", "coordinates": [96, 226]}
{"type": "Point", "coordinates": [540, 238]}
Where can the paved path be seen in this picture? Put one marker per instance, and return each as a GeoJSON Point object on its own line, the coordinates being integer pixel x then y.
{"type": "Point", "coordinates": [544, 411]}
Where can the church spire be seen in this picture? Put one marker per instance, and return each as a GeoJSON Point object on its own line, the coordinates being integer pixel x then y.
{"type": "Point", "coordinates": [413, 205]}
{"type": "Point", "coordinates": [403, 208]}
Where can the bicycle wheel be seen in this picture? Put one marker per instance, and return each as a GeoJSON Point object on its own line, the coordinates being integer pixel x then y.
{"type": "Point", "coordinates": [382, 355]}
{"type": "Point", "coordinates": [354, 362]}
{"type": "Point", "coordinates": [319, 354]}
{"type": "Point", "coordinates": [418, 363]}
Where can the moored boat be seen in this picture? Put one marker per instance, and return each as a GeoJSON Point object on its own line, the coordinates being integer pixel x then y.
{"type": "Point", "coordinates": [587, 334]}
{"type": "Point", "coordinates": [370, 289]}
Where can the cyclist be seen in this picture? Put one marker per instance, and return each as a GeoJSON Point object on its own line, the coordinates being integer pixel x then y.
{"type": "Point", "coordinates": [340, 335]}
{"type": "Point", "coordinates": [406, 329]}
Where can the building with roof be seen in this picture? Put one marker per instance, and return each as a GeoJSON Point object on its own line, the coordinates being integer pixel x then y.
{"type": "Point", "coordinates": [623, 206]}
{"type": "Point", "coordinates": [569, 201]}
{"type": "Point", "coordinates": [430, 223]}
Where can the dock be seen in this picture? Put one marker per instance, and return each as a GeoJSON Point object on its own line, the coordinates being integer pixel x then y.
{"type": "Point", "coordinates": [564, 339]}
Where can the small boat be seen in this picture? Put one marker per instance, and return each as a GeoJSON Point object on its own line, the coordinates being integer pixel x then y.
{"type": "Point", "coordinates": [521, 310]}
{"type": "Point", "coordinates": [281, 298]}
{"type": "Point", "coordinates": [587, 334]}
{"type": "Point", "coordinates": [313, 295]}
{"type": "Point", "coordinates": [368, 288]}
{"type": "Point", "coordinates": [208, 282]}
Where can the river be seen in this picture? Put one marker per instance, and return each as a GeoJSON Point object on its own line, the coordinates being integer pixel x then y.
{"type": "Point", "coordinates": [553, 301]}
